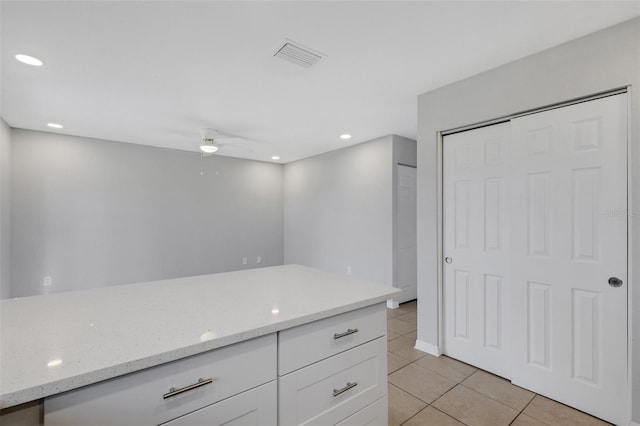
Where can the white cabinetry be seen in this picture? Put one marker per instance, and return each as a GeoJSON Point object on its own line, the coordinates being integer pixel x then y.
{"type": "Point", "coordinates": [375, 414]}
{"type": "Point", "coordinates": [308, 343]}
{"type": "Point", "coordinates": [143, 398]}
{"type": "Point", "coordinates": [332, 369]}
{"type": "Point", "coordinates": [251, 408]}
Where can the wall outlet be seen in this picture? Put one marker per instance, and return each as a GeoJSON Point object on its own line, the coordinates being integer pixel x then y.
{"type": "Point", "coordinates": [349, 270]}
{"type": "Point", "coordinates": [244, 260]}
{"type": "Point", "coordinates": [47, 281]}
{"type": "Point", "coordinates": [259, 259]}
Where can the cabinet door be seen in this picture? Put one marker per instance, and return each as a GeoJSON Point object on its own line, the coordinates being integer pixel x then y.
{"type": "Point", "coordinates": [308, 343]}
{"type": "Point", "coordinates": [376, 414]}
{"type": "Point", "coordinates": [331, 390]}
{"type": "Point", "coordinates": [257, 406]}
{"type": "Point", "coordinates": [142, 397]}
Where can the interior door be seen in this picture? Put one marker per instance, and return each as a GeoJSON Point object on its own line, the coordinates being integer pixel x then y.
{"type": "Point", "coordinates": [568, 238]}
{"type": "Point", "coordinates": [406, 241]}
{"type": "Point", "coordinates": [476, 278]}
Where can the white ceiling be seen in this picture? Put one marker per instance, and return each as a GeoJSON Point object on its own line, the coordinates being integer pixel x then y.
{"type": "Point", "coordinates": [155, 72]}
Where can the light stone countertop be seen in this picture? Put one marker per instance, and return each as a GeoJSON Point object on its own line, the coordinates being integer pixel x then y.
{"type": "Point", "coordinates": [57, 342]}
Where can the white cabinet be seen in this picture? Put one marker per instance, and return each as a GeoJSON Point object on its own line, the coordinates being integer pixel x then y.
{"type": "Point", "coordinates": [145, 397]}
{"type": "Point", "coordinates": [251, 408]}
{"type": "Point", "coordinates": [376, 414]}
{"type": "Point", "coordinates": [341, 377]}
{"type": "Point", "coordinates": [308, 343]}
{"type": "Point", "coordinates": [331, 371]}
{"type": "Point", "coordinates": [331, 390]}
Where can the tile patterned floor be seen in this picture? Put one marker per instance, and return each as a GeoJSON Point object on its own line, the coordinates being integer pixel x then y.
{"type": "Point", "coordinates": [429, 391]}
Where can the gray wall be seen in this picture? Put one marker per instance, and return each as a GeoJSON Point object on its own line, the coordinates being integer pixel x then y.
{"type": "Point", "coordinates": [89, 213]}
{"type": "Point", "coordinates": [340, 208]}
{"type": "Point", "coordinates": [597, 62]}
{"type": "Point", "coordinates": [5, 210]}
{"type": "Point", "coordinates": [338, 211]}
{"type": "Point", "coordinates": [404, 151]}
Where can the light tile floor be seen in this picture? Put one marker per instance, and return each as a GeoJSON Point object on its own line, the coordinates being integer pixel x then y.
{"type": "Point", "coordinates": [431, 391]}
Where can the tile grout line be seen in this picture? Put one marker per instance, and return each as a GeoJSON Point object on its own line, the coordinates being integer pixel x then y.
{"type": "Point", "coordinates": [442, 375]}
{"type": "Point", "coordinates": [449, 415]}
{"type": "Point", "coordinates": [399, 368]}
{"type": "Point", "coordinates": [524, 408]}
{"type": "Point", "coordinates": [458, 383]}
{"type": "Point", "coordinates": [406, 391]}
{"type": "Point", "coordinates": [430, 371]}
{"type": "Point", "coordinates": [448, 390]}
{"type": "Point", "coordinates": [440, 411]}
{"type": "Point", "coordinates": [497, 400]}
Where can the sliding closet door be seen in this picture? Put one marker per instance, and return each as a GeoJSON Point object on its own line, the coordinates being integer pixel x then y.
{"type": "Point", "coordinates": [476, 281]}
{"type": "Point", "coordinates": [569, 255]}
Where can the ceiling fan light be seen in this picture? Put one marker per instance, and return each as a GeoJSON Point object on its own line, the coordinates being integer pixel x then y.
{"type": "Point", "coordinates": [208, 148]}
{"type": "Point", "coordinates": [29, 60]}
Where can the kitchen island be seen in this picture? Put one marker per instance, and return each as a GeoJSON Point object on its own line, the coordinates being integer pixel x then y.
{"type": "Point", "coordinates": [52, 345]}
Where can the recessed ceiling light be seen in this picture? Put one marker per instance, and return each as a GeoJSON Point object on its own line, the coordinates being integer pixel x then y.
{"type": "Point", "coordinates": [29, 60]}
{"type": "Point", "coordinates": [345, 136]}
{"type": "Point", "coordinates": [55, 125]}
{"type": "Point", "coordinates": [275, 157]}
{"type": "Point", "coordinates": [54, 363]}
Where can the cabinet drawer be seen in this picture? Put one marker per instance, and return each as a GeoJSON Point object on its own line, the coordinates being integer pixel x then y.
{"type": "Point", "coordinates": [376, 414]}
{"type": "Point", "coordinates": [140, 397]}
{"type": "Point", "coordinates": [331, 390]}
{"type": "Point", "coordinates": [254, 407]}
{"type": "Point", "coordinates": [308, 343]}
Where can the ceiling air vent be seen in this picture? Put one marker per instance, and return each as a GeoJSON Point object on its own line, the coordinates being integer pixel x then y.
{"type": "Point", "coordinates": [298, 54]}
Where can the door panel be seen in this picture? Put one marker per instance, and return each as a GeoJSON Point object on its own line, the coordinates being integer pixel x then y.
{"type": "Point", "coordinates": [406, 242]}
{"type": "Point", "coordinates": [569, 326]}
{"type": "Point", "coordinates": [476, 240]}
{"type": "Point", "coordinates": [492, 311]}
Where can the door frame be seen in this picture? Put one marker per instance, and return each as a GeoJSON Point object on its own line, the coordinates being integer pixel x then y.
{"type": "Point", "coordinates": [438, 350]}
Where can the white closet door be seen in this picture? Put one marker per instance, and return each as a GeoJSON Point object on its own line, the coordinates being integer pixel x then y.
{"type": "Point", "coordinates": [568, 237]}
{"type": "Point", "coordinates": [476, 281]}
{"type": "Point", "coordinates": [406, 240]}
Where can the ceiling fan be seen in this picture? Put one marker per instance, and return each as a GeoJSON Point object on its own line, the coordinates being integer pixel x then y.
{"type": "Point", "coordinates": [211, 141]}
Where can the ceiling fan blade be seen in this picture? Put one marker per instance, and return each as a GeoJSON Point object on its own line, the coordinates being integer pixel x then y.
{"type": "Point", "coordinates": [230, 139]}
{"type": "Point", "coordinates": [234, 147]}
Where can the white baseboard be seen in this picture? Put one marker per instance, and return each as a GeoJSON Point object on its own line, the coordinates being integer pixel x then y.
{"type": "Point", "coordinates": [632, 423]}
{"type": "Point", "coordinates": [392, 304]}
{"type": "Point", "coordinates": [428, 348]}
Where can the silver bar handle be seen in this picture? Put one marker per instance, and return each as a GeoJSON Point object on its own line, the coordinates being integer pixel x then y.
{"type": "Point", "coordinates": [349, 385]}
{"type": "Point", "coordinates": [174, 391]}
{"type": "Point", "coordinates": [349, 331]}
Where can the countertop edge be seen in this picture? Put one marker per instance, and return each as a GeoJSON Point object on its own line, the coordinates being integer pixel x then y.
{"type": "Point", "coordinates": [26, 395]}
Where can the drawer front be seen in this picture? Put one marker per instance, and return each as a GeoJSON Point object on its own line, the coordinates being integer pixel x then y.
{"type": "Point", "coordinates": [140, 397]}
{"type": "Point", "coordinates": [254, 407]}
{"type": "Point", "coordinates": [331, 390]}
{"type": "Point", "coordinates": [376, 414]}
{"type": "Point", "coordinates": [308, 343]}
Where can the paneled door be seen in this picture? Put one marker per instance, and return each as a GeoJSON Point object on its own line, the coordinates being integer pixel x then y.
{"type": "Point", "coordinates": [476, 238]}
{"type": "Point", "coordinates": [568, 228]}
{"type": "Point", "coordinates": [406, 240]}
